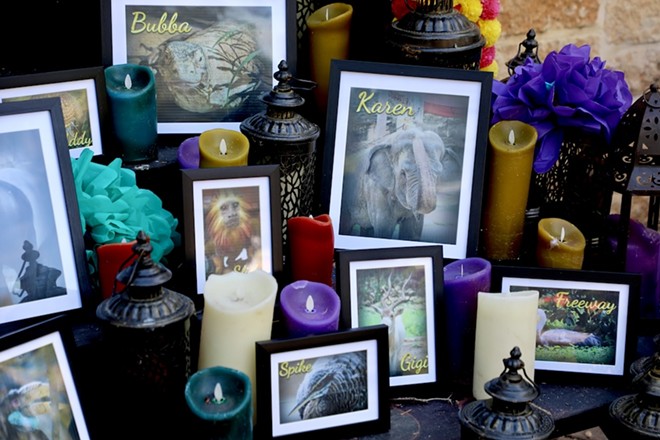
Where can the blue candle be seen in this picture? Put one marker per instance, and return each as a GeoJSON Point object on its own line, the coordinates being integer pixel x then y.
{"type": "Point", "coordinates": [188, 153]}
{"type": "Point", "coordinates": [131, 93]}
{"type": "Point", "coordinates": [221, 397]}
{"type": "Point", "coordinates": [309, 308]}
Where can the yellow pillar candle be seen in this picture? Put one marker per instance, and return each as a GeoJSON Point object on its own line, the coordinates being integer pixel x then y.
{"type": "Point", "coordinates": [510, 169]}
{"type": "Point", "coordinates": [221, 147]}
{"type": "Point", "coordinates": [504, 320]}
{"type": "Point", "coordinates": [238, 311]}
{"type": "Point", "coordinates": [560, 244]}
{"type": "Point", "coordinates": [329, 38]}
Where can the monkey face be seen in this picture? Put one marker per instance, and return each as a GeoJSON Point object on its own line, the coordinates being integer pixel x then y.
{"type": "Point", "coordinates": [230, 212]}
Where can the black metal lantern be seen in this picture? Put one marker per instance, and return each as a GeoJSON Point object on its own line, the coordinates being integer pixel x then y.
{"type": "Point", "coordinates": [147, 329]}
{"type": "Point", "coordinates": [528, 48]}
{"type": "Point", "coordinates": [435, 34]}
{"type": "Point", "coordinates": [281, 136]}
{"type": "Point", "coordinates": [508, 415]}
{"type": "Point", "coordinates": [637, 416]}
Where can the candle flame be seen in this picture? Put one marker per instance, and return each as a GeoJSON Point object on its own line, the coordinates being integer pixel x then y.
{"type": "Point", "coordinates": [562, 235]}
{"type": "Point", "coordinates": [461, 271]}
{"type": "Point", "coordinates": [223, 147]}
{"type": "Point", "coordinates": [327, 14]}
{"type": "Point", "coordinates": [309, 306]}
{"type": "Point", "coordinates": [127, 81]}
{"type": "Point", "coordinates": [512, 138]}
{"type": "Point", "coordinates": [217, 393]}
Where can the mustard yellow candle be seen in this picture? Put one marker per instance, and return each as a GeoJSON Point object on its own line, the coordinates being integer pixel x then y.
{"type": "Point", "coordinates": [221, 147]}
{"type": "Point", "coordinates": [510, 170]}
{"type": "Point", "coordinates": [329, 37]}
{"type": "Point", "coordinates": [560, 244]}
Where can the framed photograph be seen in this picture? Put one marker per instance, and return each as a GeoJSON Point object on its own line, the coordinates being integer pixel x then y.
{"type": "Point", "coordinates": [43, 264]}
{"type": "Point", "coordinates": [401, 288]}
{"type": "Point", "coordinates": [334, 385]}
{"type": "Point", "coordinates": [37, 383]}
{"type": "Point", "coordinates": [584, 324]}
{"type": "Point", "coordinates": [83, 100]}
{"type": "Point", "coordinates": [212, 59]}
{"type": "Point", "coordinates": [404, 155]}
{"type": "Point", "coordinates": [232, 220]}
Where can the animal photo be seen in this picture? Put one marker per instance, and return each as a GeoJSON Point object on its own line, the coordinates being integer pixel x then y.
{"type": "Point", "coordinates": [211, 64]}
{"type": "Point", "coordinates": [323, 386]}
{"type": "Point", "coordinates": [232, 230]}
{"type": "Point", "coordinates": [403, 167]}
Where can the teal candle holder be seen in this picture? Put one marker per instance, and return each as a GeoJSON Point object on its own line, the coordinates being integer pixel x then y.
{"type": "Point", "coordinates": [226, 417]}
{"type": "Point", "coordinates": [131, 91]}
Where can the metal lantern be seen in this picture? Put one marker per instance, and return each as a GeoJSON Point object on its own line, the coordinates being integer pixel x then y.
{"type": "Point", "coordinates": [528, 48]}
{"type": "Point", "coordinates": [509, 414]}
{"type": "Point", "coordinates": [147, 328]}
{"type": "Point", "coordinates": [637, 416]}
{"type": "Point", "coordinates": [281, 136]}
{"type": "Point", "coordinates": [435, 34]}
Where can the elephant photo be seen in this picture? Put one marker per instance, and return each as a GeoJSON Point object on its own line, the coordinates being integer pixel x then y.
{"type": "Point", "coordinates": [394, 184]}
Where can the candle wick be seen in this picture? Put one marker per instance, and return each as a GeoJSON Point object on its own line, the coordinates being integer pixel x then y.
{"type": "Point", "coordinates": [512, 138]}
{"type": "Point", "coordinates": [238, 296]}
{"type": "Point", "coordinates": [223, 147]}
{"type": "Point", "coordinates": [127, 81]}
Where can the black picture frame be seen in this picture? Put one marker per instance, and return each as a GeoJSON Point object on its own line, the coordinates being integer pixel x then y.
{"type": "Point", "coordinates": [257, 189]}
{"type": "Point", "coordinates": [593, 332]}
{"type": "Point", "coordinates": [252, 36]}
{"type": "Point", "coordinates": [35, 361]}
{"type": "Point", "coordinates": [84, 103]}
{"type": "Point", "coordinates": [278, 382]}
{"type": "Point", "coordinates": [402, 288]}
{"type": "Point", "coordinates": [44, 262]}
{"type": "Point", "coordinates": [376, 113]}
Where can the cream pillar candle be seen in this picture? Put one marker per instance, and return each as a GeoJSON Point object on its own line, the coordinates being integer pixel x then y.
{"type": "Point", "coordinates": [504, 320]}
{"type": "Point", "coordinates": [238, 311]}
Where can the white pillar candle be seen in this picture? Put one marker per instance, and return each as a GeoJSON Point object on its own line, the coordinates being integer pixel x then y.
{"type": "Point", "coordinates": [504, 320]}
{"type": "Point", "coordinates": [238, 311]}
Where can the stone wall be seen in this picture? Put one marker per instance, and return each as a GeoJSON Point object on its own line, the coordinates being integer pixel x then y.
{"type": "Point", "coordinates": [625, 34]}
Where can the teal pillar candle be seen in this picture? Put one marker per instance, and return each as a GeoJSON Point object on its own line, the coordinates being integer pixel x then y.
{"type": "Point", "coordinates": [131, 91]}
{"type": "Point", "coordinates": [222, 398]}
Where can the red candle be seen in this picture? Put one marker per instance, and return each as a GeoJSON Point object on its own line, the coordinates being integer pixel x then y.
{"type": "Point", "coordinates": [111, 256]}
{"type": "Point", "coordinates": [312, 247]}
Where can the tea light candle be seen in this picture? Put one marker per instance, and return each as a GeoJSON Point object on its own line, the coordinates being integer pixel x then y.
{"type": "Point", "coordinates": [560, 244]}
{"type": "Point", "coordinates": [510, 160]}
{"type": "Point", "coordinates": [463, 280]}
{"type": "Point", "coordinates": [504, 320]}
{"type": "Point", "coordinates": [188, 153]}
{"type": "Point", "coordinates": [131, 92]}
{"type": "Point", "coordinates": [312, 246]}
{"type": "Point", "coordinates": [329, 37]}
{"type": "Point", "coordinates": [221, 397]}
{"type": "Point", "coordinates": [309, 308]}
{"type": "Point", "coordinates": [238, 311]}
{"type": "Point", "coordinates": [221, 147]}
{"type": "Point", "coordinates": [111, 257]}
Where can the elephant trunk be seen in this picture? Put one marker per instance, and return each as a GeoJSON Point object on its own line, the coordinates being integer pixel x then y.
{"type": "Point", "coordinates": [427, 197]}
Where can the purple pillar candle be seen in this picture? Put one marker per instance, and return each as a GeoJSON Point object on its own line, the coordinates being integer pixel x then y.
{"type": "Point", "coordinates": [309, 308]}
{"type": "Point", "coordinates": [463, 280]}
{"type": "Point", "coordinates": [188, 153]}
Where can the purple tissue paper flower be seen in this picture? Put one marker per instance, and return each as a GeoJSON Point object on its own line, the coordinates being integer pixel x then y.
{"type": "Point", "coordinates": [567, 90]}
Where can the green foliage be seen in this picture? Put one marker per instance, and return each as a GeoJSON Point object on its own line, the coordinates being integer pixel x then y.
{"type": "Point", "coordinates": [582, 355]}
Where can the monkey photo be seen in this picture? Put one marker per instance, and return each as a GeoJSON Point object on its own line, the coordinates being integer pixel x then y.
{"type": "Point", "coordinates": [233, 235]}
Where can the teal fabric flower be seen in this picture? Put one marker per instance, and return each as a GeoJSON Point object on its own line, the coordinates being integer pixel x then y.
{"type": "Point", "coordinates": [113, 209]}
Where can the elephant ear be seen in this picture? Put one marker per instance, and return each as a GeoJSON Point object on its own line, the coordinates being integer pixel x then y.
{"type": "Point", "coordinates": [380, 166]}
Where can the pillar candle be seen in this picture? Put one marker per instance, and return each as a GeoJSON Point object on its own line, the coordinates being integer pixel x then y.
{"type": "Point", "coordinates": [329, 37]}
{"type": "Point", "coordinates": [221, 147]}
{"type": "Point", "coordinates": [111, 257]}
{"type": "Point", "coordinates": [131, 92]}
{"type": "Point", "coordinates": [504, 320]}
{"type": "Point", "coordinates": [309, 308]}
{"type": "Point", "coordinates": [188, 153]}
{"type": "Point", "coordinates": [463, 280]}
{"type": "Point", "coordinates": [221, 397]}
{"type": "Point", "coordinates": [560, 244]}
{"type": "Point", "coordinates": [238, 312]}
{"type": "Point", "coordinates": [312, 247]}
{"type": "Point", "coordinates": [511, 153]}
